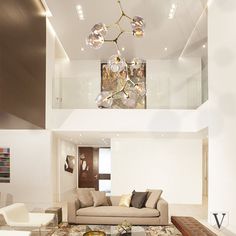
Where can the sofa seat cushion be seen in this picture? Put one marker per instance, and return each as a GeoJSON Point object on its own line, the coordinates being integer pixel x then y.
{"type": "Point", "coordinates": [118, 211]}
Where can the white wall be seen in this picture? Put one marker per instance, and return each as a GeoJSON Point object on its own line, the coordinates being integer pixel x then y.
{"type": "Point", "coordinates": [174, 165]}
{"type": "Point", "coordinates": [174, 83]}
{"type": "Point", "coordinates": [125, 120]}
{"type": "Point", "coordinates": [50, 65]}
{"type": "Point", "coordinates": [222, 109]}
{"type": "Point", "coordinates": [30, 163]}
{"type": "Point", "coordinates": [67, 181]}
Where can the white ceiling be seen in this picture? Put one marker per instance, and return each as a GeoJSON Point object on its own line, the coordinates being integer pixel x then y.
{"type": "Point", "coordinates": [160, 31]}
{"type": "Point", "coordinates": [103, 139]}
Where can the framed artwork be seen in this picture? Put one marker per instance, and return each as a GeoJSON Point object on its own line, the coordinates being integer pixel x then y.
{"type": "Point", "coordinates": [109, 82]}
{"type": "Point", "coordinates": [4, 165]}
{"type": "Point", "coordinates": [69, 164]}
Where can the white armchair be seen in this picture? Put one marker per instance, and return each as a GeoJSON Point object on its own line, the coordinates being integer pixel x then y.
{"type": "Point", "coordinates": [18, 216]}
{"type": "Point", "coordinates": [14, 233]}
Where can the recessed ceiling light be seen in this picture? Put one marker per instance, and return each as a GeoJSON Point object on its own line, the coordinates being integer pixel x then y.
{"type": "Point", "coordinates": [82, 49]}
{"type": "Point", "coordinates": [172, 11]}
{"type": "Point", "coordinates": [80, 13]}
{"type": "Point", "coordinates": [80, 135]}
{"type": "Point", "coordinates": [123, 49]}
{"type": "Point", "coordinates": [165, 49]}
{"type": "Point", "coordinates": [117, 135]}
{"type": "Point", "coordinates": [204, 45]}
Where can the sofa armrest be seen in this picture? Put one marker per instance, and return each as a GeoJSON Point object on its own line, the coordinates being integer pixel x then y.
{"type": "Point", "coordinates": [162, 206]}
{"type": "Point", "coordinates": [72, 207]}
{"type": "Point", "coordinates": [2, 220]}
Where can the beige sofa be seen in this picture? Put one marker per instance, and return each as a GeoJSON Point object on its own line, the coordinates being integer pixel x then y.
{"type": "Point", "coordinates": [115, 214]}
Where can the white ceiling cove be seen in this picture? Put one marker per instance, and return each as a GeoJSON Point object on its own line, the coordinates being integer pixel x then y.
{"type": "Point", "coordinates": [160, 33]}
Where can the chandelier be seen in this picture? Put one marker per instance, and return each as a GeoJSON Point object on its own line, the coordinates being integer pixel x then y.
{"type": "Point", "coordinates": [131, 89]}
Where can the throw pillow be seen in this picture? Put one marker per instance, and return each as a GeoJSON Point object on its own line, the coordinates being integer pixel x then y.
{"type": "Point", "coordinates": [138, 199]}
{"type": "Point", "coordinates": [99, 198]}
{"type": "Point", "coordinates": [153, 197]}
{"type": "Point", "coordinates": [85, 197]}
{"type": "Point", "coordinates": [125, 200]}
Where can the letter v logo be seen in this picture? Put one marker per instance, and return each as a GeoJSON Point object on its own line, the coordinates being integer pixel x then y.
{"type": "Point", "coordinates": [219, 224]}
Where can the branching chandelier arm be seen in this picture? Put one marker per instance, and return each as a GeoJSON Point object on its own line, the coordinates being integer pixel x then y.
{"type": "Point", "coordinates": [117, 63]}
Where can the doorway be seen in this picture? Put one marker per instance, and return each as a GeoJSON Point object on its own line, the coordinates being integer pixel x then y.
{"type": "Point", "coordinates": [94, 168]}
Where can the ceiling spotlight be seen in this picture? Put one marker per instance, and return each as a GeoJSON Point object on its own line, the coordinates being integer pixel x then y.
{"type": "Point", "coordinates": [165, 49]}
{"type": "Point", "coordinates": [82, 49]}
{"type": "Point", "coordinates": [204, 45]}
{"type": "Point", "coordinates": [80, 12]}
{"type": "Point", "coordinates": [172, 11]}
{"type": "Point", "coordinates": [78, 7]}
{"type": "Point", "coordinates": [123, 49]}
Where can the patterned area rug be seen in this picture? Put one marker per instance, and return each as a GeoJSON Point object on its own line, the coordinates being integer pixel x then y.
{"type": "Point", "coordinates": [79, 230]}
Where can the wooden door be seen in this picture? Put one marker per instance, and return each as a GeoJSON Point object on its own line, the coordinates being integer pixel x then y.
{"type": "Point", "coordinates": [88, 167]}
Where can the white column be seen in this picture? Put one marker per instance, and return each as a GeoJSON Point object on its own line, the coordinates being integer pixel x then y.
{"type": "Point", "coordinates": [222, 108]}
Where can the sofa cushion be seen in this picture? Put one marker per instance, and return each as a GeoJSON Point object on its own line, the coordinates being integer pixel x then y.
{"type": "Point", "coordinates": [153, 197]}
{"type": "Point", "coordinates": [99, 198]}
{"type": "Point", "coordinates": [85, 196]}
{"type": "Point", "coordinates": [138, 199]}
{"type": "Point", "coordinates": [114, 200]}
{"type": "Point", "coordinates": [117, 211]}
{"type": "Point", "coordinates": [125, 200]}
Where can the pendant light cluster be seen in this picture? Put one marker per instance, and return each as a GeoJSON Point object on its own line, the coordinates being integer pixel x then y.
{"type": "Point", "coordinates": [116, 63]}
